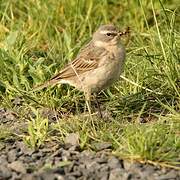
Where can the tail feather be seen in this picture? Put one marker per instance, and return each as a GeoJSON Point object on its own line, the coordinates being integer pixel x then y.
{"type": "Point", "coordinates": [44, 85]}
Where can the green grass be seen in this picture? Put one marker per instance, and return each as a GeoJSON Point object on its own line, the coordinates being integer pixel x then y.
{"type": "Point", "coordinates": [38, 37]}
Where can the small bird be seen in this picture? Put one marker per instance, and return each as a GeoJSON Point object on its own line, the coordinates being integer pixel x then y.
{"type": "Point", "coordinates": [97, 65]}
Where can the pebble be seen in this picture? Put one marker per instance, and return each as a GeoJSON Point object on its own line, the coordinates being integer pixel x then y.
{"type": "Point", "coordinates": [72, 139]}
{"type": "Point", "coordinates": [114, 163]}
{"type": "Point", "coordinates": [50, 176]}
{"type": "Point", "coordinates": [117, 174]}
{"type": "Point", "coordinates": [28, 177]}
{"type": "Point", "coordinates": [101, 146]}
{"type": "Point", "coordinates": [12, 155]}
{"type": "Point", "coordinates": [5, 172]}
{"type": "Point", "coordinates": [17, 166]}
{"type": "Point", "coordinates": [170, 175]}
{"type": "Point", "coordinates": [3, 160]}
{"type": "Point", "coordinates": [24, 148]}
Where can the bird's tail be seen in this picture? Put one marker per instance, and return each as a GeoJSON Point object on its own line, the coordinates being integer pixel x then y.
{"type": "Point", "coordinates": [44, 85]}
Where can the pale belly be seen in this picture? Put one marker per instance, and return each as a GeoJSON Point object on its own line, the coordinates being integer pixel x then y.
{"type": "Point", "coordinates": [101, 78]}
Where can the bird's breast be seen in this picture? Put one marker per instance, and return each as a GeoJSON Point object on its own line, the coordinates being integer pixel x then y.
{"type": "Point", "coordinates": [108, 71]}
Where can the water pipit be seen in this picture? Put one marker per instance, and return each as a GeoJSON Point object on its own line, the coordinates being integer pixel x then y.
{"type": "Point", "coordinates": [97, 66]}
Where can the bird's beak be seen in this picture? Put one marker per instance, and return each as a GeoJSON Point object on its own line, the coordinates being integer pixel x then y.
{"type": "Point", "coordinates": [122, 33]}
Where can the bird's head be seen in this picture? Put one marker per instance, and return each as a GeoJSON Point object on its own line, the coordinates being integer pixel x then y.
{"type": "Point", "coordinates": [108, 35]}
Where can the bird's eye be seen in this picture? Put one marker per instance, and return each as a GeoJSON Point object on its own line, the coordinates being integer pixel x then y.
{"type": "Point", "coordinates": [108, 34]}
{"type": "Point", "coordinates": [111, 34]}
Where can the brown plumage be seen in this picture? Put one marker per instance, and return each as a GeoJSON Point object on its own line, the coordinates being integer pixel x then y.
{"type": "Point", "coordinates": [97, 65]}
{"type": "Point", "coordinates": [87, 60]}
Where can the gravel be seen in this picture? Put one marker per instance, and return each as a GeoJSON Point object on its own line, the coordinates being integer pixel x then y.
{"type": "Point", "coordinates": [68, 162]}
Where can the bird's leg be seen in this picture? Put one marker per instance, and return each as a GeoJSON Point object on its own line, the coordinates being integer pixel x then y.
{"type": "Point", "coordinates": [98, 106]}
{"type": "Point", "coordinates": [88, 102]}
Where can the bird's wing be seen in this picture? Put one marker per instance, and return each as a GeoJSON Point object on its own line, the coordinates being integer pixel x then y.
{"type": "Point", "coordinates": [86, 61]}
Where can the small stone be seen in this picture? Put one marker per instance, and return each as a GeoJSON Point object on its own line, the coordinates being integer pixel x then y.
{"type": "Point", "coordinates": [104, 168]}
{"type": "Point", "coordinates": [5, 173]}
{"type": "Point", "coordinates": [16, 176]}
{"type": "Point", "coordinates": [103, 175]}
{"type": "Point", "coordinates": [59, 177]}
{"type": "Point", "coordinates": [81, 167]}
{"type": "Point", "coordinates": [26, 158]}
{"type": "Point", "coordinates": [46, 150]}
{"type": "Point", "coordinates": [28, 177]}
{"type": "Point", "coordinates": [12, 155]}
{"type": "Point", "coordinates": [50, 176]}
{"type": "Point", "coordinates": [66, 155]}
{"type": "Point", "coordinates": [117, 174]}
{"type": "Point", "coordinates": [70, 177]}
{"type": "Point", "coordinates": [136, 165]}
{"type": "Point", "coordinates": [92, 165]}
{"type": "Point", "coordinates": [72, 139]}
{"type": "Point", "coordinates": [170, 175]}
{"type": "Point", "coordinates": [127, 165]}
{"type": "Point", "coordinates": [3, 160]}
{"type": "Point", "coordinates": [24, 148]}
{"type": "Point", "coordinates": [87, 153]}
{"type": "Point", "coordinates": [75, 173]}
{"type": "Point", "coordinates": [73, 148]}
{"type": "Point", "coordinates": [102, 146]}
{"type": "Point", "coordinates": [101, 160]}
{"type": "Point", "coordinates": [114, 163]}
{"type": "Point", "coordinates": [17, 166]}
{"type": "Point", "coordinates": [147, 172]}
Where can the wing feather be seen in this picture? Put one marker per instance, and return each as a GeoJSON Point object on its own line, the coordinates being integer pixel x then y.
{"type": "Point", "coordinates": [81, 64]}
{"type": "Point", "coordinates": [88, 59]}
